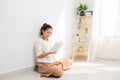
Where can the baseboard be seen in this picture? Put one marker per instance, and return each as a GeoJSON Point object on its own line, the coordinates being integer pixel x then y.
{"type": "Point", "coordinates": [17, 71]}
{"type": "Point", "coordinates": [109, 59]}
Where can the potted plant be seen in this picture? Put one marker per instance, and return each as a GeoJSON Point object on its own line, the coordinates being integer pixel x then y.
{"type": "Point", "coordinates": [80, 49]}
{"type": "Point", "coordinates": [82, 8]}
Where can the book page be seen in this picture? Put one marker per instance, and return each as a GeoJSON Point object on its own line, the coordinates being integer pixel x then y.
{"type": "Point", "coordinates": [56, 46]}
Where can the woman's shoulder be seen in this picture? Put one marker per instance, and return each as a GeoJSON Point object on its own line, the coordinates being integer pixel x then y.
{"type": "Point", "coordinates": [38, 41]}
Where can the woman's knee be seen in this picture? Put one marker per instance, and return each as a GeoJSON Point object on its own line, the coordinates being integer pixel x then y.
{"type": "Point", "coordinates": [58, 73]}
{"type": "Point", "coordinates": [70, 61]}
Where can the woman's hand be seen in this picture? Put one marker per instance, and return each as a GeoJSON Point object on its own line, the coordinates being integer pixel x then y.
{"type": "Point", "coordinates": [46, 54]}
{"type": "Point", "coordinates": [54, 52]}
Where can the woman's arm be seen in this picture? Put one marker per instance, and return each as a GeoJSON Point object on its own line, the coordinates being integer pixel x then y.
{"type": "Point", "coordinates": [46, 54]}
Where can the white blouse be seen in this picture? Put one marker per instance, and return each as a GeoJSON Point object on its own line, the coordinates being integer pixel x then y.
{"type": "Point", "coordinates": [43, 46]}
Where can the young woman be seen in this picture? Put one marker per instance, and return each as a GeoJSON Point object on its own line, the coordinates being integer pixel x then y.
{"type": "Point", "coordinates": [47, 66]}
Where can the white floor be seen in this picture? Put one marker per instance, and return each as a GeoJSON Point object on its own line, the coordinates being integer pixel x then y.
{"type": "Point", "coordinates": [79, 71]}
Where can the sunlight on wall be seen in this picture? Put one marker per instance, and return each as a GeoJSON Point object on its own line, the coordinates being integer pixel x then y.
{"type": "Point", "coordinates": [60, 33]}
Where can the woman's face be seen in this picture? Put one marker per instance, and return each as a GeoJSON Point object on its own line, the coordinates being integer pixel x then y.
{"type": "Point", "coordinates": [47, 33]}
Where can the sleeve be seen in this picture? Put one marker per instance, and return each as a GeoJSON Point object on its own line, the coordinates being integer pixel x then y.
{"type": "Point", "coordinates": [38, 48]}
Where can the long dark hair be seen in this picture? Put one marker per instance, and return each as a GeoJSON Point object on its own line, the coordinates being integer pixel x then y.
{"type": "Point", "coordinates": [44, 27]}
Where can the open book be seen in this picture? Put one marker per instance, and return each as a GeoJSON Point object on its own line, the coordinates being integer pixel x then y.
{"type": "Point", "coordinates": [56, 46]}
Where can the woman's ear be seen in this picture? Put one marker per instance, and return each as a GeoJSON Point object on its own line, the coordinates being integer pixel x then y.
{"type": "Point", "coordinates": [42, 31]}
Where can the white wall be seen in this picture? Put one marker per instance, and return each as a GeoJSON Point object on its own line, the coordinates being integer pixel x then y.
{"type": "Point", "coordinates": [20, 21]}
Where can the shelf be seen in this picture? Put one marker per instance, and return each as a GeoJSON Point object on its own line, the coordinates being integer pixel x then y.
{"type": "Point", "coordinates": [83, 34]}
{"type": "Point", "coordinates": [82, 17]}
{"type": "Point", "coordinates": [81, 43]}
{"type": "Point", "coordinates": [84, 53]}
{"type": "Point", "coordinates": [84, 25]}
{"type": "Point", "coordinates": [82, 37]}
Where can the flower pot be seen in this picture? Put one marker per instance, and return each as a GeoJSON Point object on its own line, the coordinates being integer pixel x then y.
{"type": "Point", "coordinates": [82, 13]}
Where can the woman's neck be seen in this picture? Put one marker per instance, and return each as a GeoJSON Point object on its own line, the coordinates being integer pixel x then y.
{"type": "Point", "coordinates": [44, 38]}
